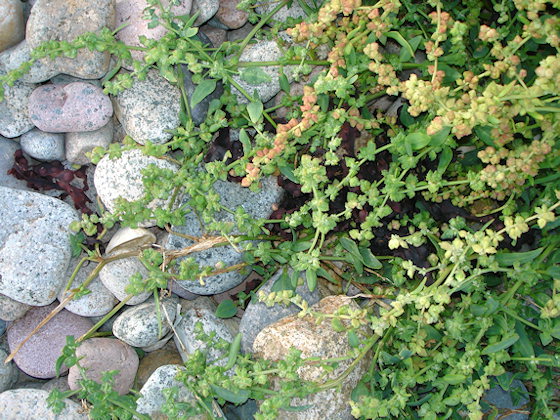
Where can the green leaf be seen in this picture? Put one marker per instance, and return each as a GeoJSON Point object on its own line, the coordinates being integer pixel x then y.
{"type": "Point", "coordinates": [245, 142]}
{"type": "Point", "coordinates": [311, 276]}
{"type": "Point", "coordinates": [439, 138]}
{"type": "Point", "coordinates": [405, 117]}
{"type": "Point", "coordinates": [445, 159]}
{"type": "Point", "coordinates": [523, 346]}
{"type": "Point", "coordinates": [236, 397]}
{"type": "Point", "coordinates": [226, 309]}
{"type": "Point", "coordinates": [353, 339]}
{"type": "Point", "coordinates": [356, 261]}
{"type": "Point", "coordinates": [255, 76]}
{"type": "Point", "coordinates": [202, 90]}
{"type": "Point", "coordinates": [255, 110]}
{"type": "Point", "coordinates": [350, 246]}
{"type": "Point", "coordinates": [75, 241]}
{"type": "Point", "coordinates": [507, 259]}
{"type": "Point", "coordinates": [369, 259]}
{"type": "Point", "coordinates": [403, 42]}
{"type": "Point", "coordinates": [484, 134]}
{"type": "Point", "coordinates": [418, 140]}
{"type": "Point", "coordinates": [454, 379]}
{"type": "Point", "coordinates": [500, 345]}
{"type": "Point", "coordinates": [323, 102]}
{"type": "Point", "coordinates": [288, 172]}
{"type": "Point", "coordinates": [300, 246]}
{"type": "Point", "coordinates": [282, 283]}
{"type": "Point", "coordinates": [190, 32]}
{"type": "Point", "coordinates": [233, 351]}
{"type": "Point", "coordinates": [284, 84]}
{"type": "Point", "coordinates": [325, 274]}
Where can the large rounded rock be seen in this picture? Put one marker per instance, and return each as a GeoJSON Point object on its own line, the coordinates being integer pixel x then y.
{"type": "Point", "coordinates": [40, 71]}
{"type": "Point", "coordinates": [205, 9]}
{"type": "Point", "coordinates": [122, 177]}
{"type": "Point", "coordinates": [98, 302]}
{"type": "Point", "coordinates": [12, 29]}
{"type": "Point", "coordinates": [149, 108]}
{"type": "Point", "coordinates": [43, 146]}
{"type": "Point", "coordinates": [167, 355]}
{"type": "Point", "coordinates": [317, 340]}
{"type": "Point", "coordinates": [258, 315]}
{"type": "Point", "coordinates": [78, 144]}
{"type": "Point", "coordinates": [14, 118]}
{"type": "Point", "coordinates": [10, 309]}
{"type": "Point", "coordinates": [115, 276]}
{"type": "Point", "coordinates": [152, 395]}
{"type": "Point", "coordinates": [131, 12]}
{"type": "Point", "coordinates": [37, 357]}
{"type": "Point", "coordinates": [64, 20]}
{"type": "Point", "coordinates": [7, 150]}
{"type": "Point", "coordinates": [73, 107]}
{"type": "Point", "coordinates": [8, 372]}
{"type": "Point", "coordinates": [230, 15]}
{"type": "Point", "coordinates": [256, 204]}
{"type": "Point", "coordinates": [99, 355]}
{"type": "Point", "coordinates": [34, 246]}
{"type": "Point", "coordinates": [144, 325]}
{"type": "Point", "coordinates": [31, 404]}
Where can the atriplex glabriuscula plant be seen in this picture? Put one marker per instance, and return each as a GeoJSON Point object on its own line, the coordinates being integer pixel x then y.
{"type": "Point", "coordinates": [476, 138]}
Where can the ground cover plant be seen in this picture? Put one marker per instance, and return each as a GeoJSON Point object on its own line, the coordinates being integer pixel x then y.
{"type": "Point", "coordinates": [420, 166]}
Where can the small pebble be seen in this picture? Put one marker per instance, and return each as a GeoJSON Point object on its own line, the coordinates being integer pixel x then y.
{"type": "Point", "coordinates": [43, 146]}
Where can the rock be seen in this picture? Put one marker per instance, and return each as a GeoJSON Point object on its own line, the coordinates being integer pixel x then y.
{"type": "Point", "coordinates": [230, 16]}
{"type": "Point", "coordinates": [98, 302]}
{"type": "Point", "coordinates": [102, 354]}
{"type": "Point", "coordinates": [78, 144]}
{"type": "Point", "coordinates": [205, 8]}
{"type": "Point", "coordinates": [149, 108]}
{"type": "Point", "coordinates": [115, 276]}
{"type": "Point", "coordinates": [294, 10]}
{"type": "Point", "coordinates": [121, 177]}
{"type": "Point", "coordinates": [35, 247]}
{"type": "Point", "coordinates": [127, 239]}
{"type": "Point", "coordinates": [60, 383]}
{"type": "Point", "coordinates": [2, 327]}
{"type": "Point", "coordinates": [155, 359]}
{"type": "Point", "coordinates": [8, 372]}
{"type": "Point", "coordinates": [241, 33]}
{"type": "Point", "coordinates": [257, 204]}
{"type": "Point", "coordinates": [185, 337]}
{"type": "Point", "coordinates": [38, 355]}
{"type": "Point", "coordinates": [152, 396]}
{"type": "Point", "coordinates": [146, 324]}
{"type": "Point", "coordinates": [179, 291]}
{"type": "Point", "coordinates": [514, 398]}
{"type": "Point", "coordinates": [14, 119]}
{"type": "Point", "coordinates": [10, 309]}
{"type": "Point", "coordinates": [7, 149]}
{"type": "Point", "coordinates": [12, 28]}
{"type": "Point", "coordinates": [41, 70]}
{"type": "Point", "coordinates": [64, 20]}
{"type": "Point", "coordinates": [244, 411]}
{"type": "Point", "coordinates": [261, 51]}
{"type": "Point", "coordinates": [73, 107]}
{"type": "Point", "coordinates": [66, 79]}
{"type": "Point", "coordinates": [31, 404]}
{"type": "Point", "coordinates": [258, 315]}
{"type": "Point", "coordinates": [315, 340]}
{"type": "Point", "coordinates": [43, 146]}
{"type": "Point", "coordinates": [132, 13]}
{"type": "Point", "coordinates": [216, 35]}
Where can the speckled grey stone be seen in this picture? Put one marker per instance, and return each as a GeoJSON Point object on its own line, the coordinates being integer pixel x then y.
{"type": "Point", "coordinates": [216, 35]}
{"type": "Point", "coordinates": [294, 10]}
{"type": "Point", "coordinates": [31, 404]}
{"type": "Point", "coordinates": [60, 383]}
{"type": "Point", "coordinates": [66, 79]}
{"type": "Point", "coordinates": [98, 302]}
{"type": "Point", "coordinates": [38, 355]}
{"type": "Point", "coordinates": [41, 70]}
{"type": "Point", "coordinates": [12, 29]}
{"type": "Point", "coordinates": [502, 400]}
{"type": "Point", "coordinates": [43, 146]}
{"type": "Point", "coordinates": [320, 340]}
{"type": "Point", "coordinates": [143, 325]}
{"type": "Point", "coordinates": [151, 395]}
{"type": "Point", "coordinates": [261, 51]}
{"type": "Point", "coordinates": [101, 354]}
{"type": "Point", "coordinates": [241, 33]}
{"type": "Point", "coordinates": [233, 195]}
{"type": "Point", "coordinates": [121, 177]}
{"type": "Point", "coordinates": [258, 315]}
{"type": "Point", "coordinates": [78, 144]}
{"type": "Point", "coordinates": [7, 149]}
{"type": "Point", "coordinates": [205, 8]}
{"type": "Point", "coordinates": [185, 336]}
{"type": "Point", "coordinates": [115, 276]}
{"type": "Point", "coordinates": [8, 372]}
{"type": "Point", "coordinates": [76, 106]}
{"type": "Point", "coordinates": [149, 108]}
{"type": "Point", "coordinates": [34, 247]}
{"type": "Point", "coordinates": [2, 326]}
{"type": "Point", "coordinates": [10, 309]}
{"type": "Point", "coordinates": [67, 19]}
{"type": "Point", "coordinates": [14, 119]}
